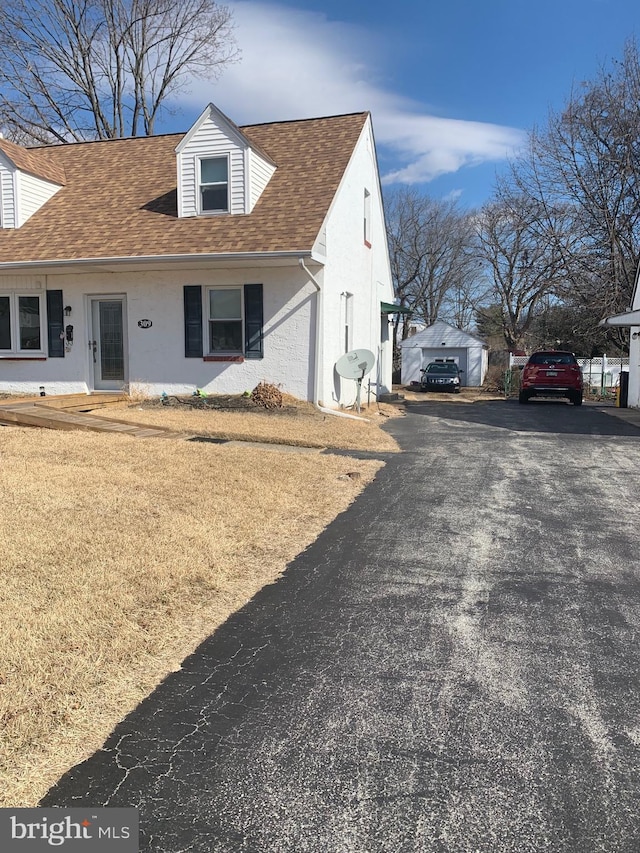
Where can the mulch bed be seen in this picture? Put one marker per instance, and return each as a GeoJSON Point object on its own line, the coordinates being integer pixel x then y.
{"type": "Point", "coordinates": [219, 402]}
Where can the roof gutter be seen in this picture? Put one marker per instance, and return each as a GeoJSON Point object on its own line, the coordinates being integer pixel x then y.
{"type": "Point", "coordinates": [631, 318]}
{"type": "Point", "coordinates": [316, 359]}
{"type": "Point", "coordinates": [145, 259]}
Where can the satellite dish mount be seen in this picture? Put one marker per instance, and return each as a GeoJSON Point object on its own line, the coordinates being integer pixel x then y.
{"type": "Point", "coordinates": [355, 365]}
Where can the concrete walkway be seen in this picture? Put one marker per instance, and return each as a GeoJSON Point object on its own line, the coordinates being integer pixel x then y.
{"type": "Point", "coordinates": [451, 666]}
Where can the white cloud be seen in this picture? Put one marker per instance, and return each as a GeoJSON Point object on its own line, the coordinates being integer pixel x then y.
{"type": "Point", "coordinates": [298, 64]}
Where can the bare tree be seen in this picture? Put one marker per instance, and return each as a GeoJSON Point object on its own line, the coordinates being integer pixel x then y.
{"type": "Point", "coordinates": [525, 265]}
{"type": "Point", "coordinates": [587, 159]}
{"type": "Point", "coordinates": [468, 292]}
{"type": "Point", "coordinates": [433, 265]}
{"type": "Point", "coordinates": [72, 70]}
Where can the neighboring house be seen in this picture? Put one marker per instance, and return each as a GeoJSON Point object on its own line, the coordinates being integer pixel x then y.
{"type": "Point", "coordinates": [440, 341]}
{"type": "Point", "coordinates": [215, 260]}
{"type": "Point", "coordinates": [631, 320]}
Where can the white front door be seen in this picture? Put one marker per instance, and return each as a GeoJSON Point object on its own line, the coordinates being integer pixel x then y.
{"type": "Point", "coordinates": [107, 346]}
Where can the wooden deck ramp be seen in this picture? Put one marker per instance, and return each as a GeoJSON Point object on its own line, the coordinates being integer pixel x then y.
{"type": "Point", "coordinates": [71, 411]}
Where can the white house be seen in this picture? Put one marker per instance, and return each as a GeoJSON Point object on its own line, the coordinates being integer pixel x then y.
{"type": "Point", "coordinates": [214, 259]}
{"type": "Point", "coordinates": [631, 320]}
{"type": "Point", "coordinates": [440, 341]}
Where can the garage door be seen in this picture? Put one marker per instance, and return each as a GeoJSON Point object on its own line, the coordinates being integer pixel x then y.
{"type": "Point", "coordinates": [459, 356]}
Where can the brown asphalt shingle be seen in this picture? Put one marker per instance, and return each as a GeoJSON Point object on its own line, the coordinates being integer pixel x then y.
{"type": "Point", "coordinates": [120, 198]}
{"type": "Point", "coordinates": [36, 162]}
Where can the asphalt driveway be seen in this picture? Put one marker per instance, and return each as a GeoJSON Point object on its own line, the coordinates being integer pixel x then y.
{"type": "Point", "coordinates": [454, 665]}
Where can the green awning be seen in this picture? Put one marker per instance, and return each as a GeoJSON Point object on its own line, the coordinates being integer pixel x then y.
{"type": "Point", "coordinates": [390, 308]}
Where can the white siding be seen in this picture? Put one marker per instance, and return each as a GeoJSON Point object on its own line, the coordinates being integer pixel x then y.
{"type": "Point", "coordinates": [7, 199]}
{"type": "Point", "coordinates": [634, 356]}
{"type": "Point", "coordinates": [441, 340]}
{"type": "Point", "coordinates": [210, 141]}
{"type": "Point", "coordinates": [439, 332]}
{"type": "Point", "coordinates": [21, 194]}
{"type": "Point", "coordinates": [471, 360]}
{"type": "Point", "coordinates": [21, 282]}
{"type": "Point", "coordinates": [260, 172]}
{"type": "Point", "coordinates": [633, 398]}
{"type": "Point", "coordinates": [33, 193]}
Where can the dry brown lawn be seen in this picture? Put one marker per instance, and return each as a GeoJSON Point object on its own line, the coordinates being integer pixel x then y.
{"type": "Point", "coordinates": [299, 424]}
{"type": "Point", "coordinates": [119, 555]}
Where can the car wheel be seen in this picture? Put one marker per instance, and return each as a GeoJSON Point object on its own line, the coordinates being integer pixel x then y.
{"type": "Point", "coordinates": [577, 400]}
{"type": "Point", "coordinates": [523, 397]}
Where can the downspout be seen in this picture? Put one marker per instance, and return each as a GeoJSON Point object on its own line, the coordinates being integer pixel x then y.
{"type": "Point", "coordinates": [316, 362]}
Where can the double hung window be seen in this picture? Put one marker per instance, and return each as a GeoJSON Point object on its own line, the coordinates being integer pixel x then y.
{"type": "Point", "coordinates": [225, 320]}
{"type": "Point", "coordinates": [214, 185]}
{"type": "Point", "coordinates": [21, 324]}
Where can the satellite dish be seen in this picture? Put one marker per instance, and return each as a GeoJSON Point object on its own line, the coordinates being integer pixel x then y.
{"type": "Point", "coordinates": [355, 364]}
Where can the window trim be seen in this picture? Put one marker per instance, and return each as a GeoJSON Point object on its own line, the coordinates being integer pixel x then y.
{"type": "Point", "coordinates": [207, 320]}
{"type": "Point", "coordinates": [14, 325]}
{"type": "Point", "coordinates": [201, 184]}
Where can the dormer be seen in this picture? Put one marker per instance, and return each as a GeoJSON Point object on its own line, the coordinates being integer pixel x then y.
{"type": "Point", "coordinates": [28, 179]}
{"type": "Point", "coordinates": [220, 171]}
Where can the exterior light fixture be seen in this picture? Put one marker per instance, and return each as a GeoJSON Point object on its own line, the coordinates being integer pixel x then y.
{"type": "Point", "coordinates": [67, 310]}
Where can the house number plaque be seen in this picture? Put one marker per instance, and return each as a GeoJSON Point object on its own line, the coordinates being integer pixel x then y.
{"type": "Point", "coordinates": [145, 324]}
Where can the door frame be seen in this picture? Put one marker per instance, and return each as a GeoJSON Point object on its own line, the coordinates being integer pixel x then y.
{"type": "Point", "coordinates": [92, 383]}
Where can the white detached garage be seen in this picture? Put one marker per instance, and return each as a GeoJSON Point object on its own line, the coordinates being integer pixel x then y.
{"type": "Point", "coordinates": [442, 342]}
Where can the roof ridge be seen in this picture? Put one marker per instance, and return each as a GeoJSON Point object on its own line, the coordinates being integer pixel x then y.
{"type": "Point", "coordinates": [310, 118]}
{"type": "Point", "coordinates": [183, 133]}
{"type": "Point", "coordinates": [98, 141]}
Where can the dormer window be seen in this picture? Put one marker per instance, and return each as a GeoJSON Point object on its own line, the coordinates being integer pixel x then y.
{"type": "Point", "coordinates": [219, 169]}
{"type": "Point", "coordinates": [214, 185]}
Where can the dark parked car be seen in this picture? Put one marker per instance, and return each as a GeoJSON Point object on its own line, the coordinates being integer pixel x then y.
{"type": "Point", "coordinates": [441, 376]}
{"type": "Point", "coordinates": [551, 373]}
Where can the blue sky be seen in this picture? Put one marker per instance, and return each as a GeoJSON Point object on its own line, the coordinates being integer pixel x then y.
{"type": "Point", "coordinates": [453, 87]}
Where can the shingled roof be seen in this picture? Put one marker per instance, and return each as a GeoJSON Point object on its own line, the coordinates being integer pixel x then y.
{"type": "Point", "coordinates": [36, 162]}
{"type": "Point", "coordinates": [120, 197]}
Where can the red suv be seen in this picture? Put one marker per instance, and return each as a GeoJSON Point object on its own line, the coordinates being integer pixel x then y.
{"type": "Point", "coordinates": [551, 373]}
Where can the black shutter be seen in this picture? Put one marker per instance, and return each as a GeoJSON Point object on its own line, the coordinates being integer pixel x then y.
{"type": "Point", "coordinates": [193, 321]}
{"type": "Point", "coordinates": [55, 323]}
{"type": "Point", "coordinates": [253, 320]}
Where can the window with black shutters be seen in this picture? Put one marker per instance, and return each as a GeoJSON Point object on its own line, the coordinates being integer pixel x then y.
{"type": "Point", "coordinates": [21, 324]}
